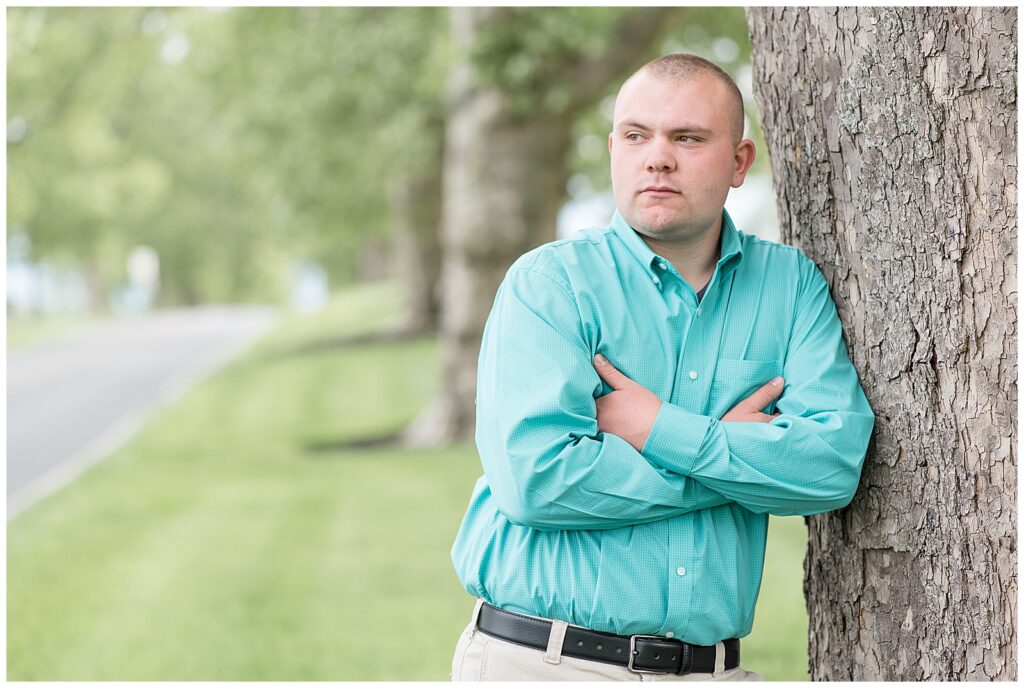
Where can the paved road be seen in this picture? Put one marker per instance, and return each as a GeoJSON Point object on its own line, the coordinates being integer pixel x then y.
{"type": "Point", "coordinates": [71, 401]}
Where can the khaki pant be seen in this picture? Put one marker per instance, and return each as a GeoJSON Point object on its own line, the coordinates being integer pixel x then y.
{"type": "Point", "coordinates": [480, 657]}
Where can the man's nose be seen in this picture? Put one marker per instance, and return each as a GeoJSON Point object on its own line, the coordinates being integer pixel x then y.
{"type": "Point", "coordinates": [659, 157]}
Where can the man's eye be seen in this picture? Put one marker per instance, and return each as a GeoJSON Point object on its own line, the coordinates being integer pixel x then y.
{"type": "Point", "coordinates": [633, 136]}
{"type": "Point", "coordinates": [685, 139]}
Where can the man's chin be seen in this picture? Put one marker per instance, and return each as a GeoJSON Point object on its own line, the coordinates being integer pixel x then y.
{"type": "Point", "coordinates": [657, 224]}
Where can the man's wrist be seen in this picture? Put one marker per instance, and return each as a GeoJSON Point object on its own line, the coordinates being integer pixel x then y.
{"type": "Point", "coordinates": [676, 438]}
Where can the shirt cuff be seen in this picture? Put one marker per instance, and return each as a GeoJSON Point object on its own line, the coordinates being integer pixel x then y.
{"type": "Point", "coordinates": [676, 438]}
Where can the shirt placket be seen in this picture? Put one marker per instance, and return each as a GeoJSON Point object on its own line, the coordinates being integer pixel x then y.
{"type": "Point", "coordinates": [680, 572]}
{"type": "Point", "coordinates": [695, 362]}
{"type": "Point", "coordinates": [694, 370]}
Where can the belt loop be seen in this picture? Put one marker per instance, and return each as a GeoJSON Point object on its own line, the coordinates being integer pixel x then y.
{"type": "Point", "coordinates": [476, 613]}
{"type": "Point", "coordinates": [719, 659]}
{"type": "Point", "coordinates": [555, 640]}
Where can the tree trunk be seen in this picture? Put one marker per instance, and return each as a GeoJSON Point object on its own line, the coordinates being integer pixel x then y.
{"type": "Point", "coordinates": [416, 206]}
{"type": "Point", "coordinates": [95, 286]}
{"type": "Point", "coordinates": [892, 135]}
{"type": "Point", "coordinates": [505, 178]}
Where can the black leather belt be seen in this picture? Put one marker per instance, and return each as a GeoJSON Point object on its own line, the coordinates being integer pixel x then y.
{"type": "Point", "coordinates": [649, 654]}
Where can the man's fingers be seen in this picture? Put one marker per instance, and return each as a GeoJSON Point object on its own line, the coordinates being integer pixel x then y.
{"type": "Point", "coordinates": [609, 374]}
{"type": "Point", "coordinates": [768, 393]}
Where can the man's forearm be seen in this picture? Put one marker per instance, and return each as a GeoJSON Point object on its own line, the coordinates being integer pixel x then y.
{"type": "Point", "coordinates": [585, 483]}
{"type": "Point", "coordinates": [793, 465]}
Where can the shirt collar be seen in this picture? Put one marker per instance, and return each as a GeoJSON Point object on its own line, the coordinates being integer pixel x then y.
{"type": "Point", "coordinates": [729, 247]}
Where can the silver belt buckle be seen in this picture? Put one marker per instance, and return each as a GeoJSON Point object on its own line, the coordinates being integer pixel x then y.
{"type": "Point", "coordinates": [633, 653]}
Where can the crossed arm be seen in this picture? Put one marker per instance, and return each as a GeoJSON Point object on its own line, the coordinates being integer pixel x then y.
{"type": "Point", "coordinates": [631, 409]}
{"type": "Point", "coordinates": [556, 458]}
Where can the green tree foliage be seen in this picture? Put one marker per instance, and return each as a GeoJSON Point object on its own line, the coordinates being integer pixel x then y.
{"type": "Point", "coordinates": [69, 165]}
{"type": "Point", "coordinates": [229, 141]}
{"type": "Point", "coordinates": [344, 97]}
{"type": "Point", "coordinates": [121, 143]}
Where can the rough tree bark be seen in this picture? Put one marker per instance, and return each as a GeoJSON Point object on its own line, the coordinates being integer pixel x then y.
{"type": "Point", "coordinates": [504, 180]}
{"type": "Point", "coordinates": [892, 134]}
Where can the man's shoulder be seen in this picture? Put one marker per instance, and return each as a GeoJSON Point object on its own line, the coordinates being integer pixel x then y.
{"type": "Point", "coordinates": [558, 259]}
{"type": "Point", "coordinates": [756, 245]}
{"type": "Point", "coordinates": [773, 255]}
{"type": "Point", "coordinates": [787, 266]}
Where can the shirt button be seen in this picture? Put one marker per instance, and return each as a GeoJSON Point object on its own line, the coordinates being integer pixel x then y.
{"type": "Point", "coordinates": [656, 280]}
{"type": "Point", "coordinates": [693, 374]}
{"type": "Point", "coordinates": [670, 634]}
{"type": "Point", "coordinates": [681, 571]}
{"type": "Point", "coordinates": [698, 312]}
{"type": "Point", "coordinates": [663, 267]}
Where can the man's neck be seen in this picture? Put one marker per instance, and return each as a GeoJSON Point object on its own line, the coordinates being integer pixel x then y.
{"type": "Point", "coordinates": [695, 260]}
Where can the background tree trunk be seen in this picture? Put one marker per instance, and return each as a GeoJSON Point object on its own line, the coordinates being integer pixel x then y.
{"type": "Point", "coordinates": [416, 209]}
{"type": "Point", "coordinates": [504, 180]}
{"type": "Point", "coordinates": [892, 134]}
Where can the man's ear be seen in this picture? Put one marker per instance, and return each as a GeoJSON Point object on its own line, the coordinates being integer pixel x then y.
{"type": "Point", "coordinates": [609, 142]}
{"type": "Point", "coordinates": [744, 158]}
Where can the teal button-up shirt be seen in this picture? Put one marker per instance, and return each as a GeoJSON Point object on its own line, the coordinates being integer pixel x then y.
{"type": "Point", "coordinates": [574, 524]}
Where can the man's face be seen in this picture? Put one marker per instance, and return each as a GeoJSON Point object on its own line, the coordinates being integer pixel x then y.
{"type": "Point", "coordinates": [673, 157]}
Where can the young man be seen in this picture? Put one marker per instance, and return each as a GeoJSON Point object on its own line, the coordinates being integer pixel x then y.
{"type": "Point", "coordinates": [648, 393]}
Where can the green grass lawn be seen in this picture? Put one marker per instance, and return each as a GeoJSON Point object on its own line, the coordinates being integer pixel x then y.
{"type": "Point", "coordinates": [238, 538]}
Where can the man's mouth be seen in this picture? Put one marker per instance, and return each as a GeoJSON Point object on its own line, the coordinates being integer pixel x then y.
{"type": "Point", "coordinates": [659, 190]}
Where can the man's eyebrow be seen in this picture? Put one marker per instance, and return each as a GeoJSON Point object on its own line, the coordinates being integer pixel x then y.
{"type": "Point", "coordinates": [678, 129]}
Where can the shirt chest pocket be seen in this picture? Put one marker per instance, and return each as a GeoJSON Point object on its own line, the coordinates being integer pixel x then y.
{"type": "Point", "coordinates": [735, 380]}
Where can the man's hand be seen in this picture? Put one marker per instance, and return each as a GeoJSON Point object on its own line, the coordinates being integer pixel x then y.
{"type": "Point", "coordinates": [629, 411]}
{"type": "Point", "coordinates": [749, 410]}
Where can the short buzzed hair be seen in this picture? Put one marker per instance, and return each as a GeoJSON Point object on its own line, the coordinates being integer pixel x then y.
{"type": "Point", "coordinates": [684, 66]}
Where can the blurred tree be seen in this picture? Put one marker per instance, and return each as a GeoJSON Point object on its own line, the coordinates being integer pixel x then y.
{"type": "Point", "coordinates": [346, 133]}
{"type": "Point", "coordinates": [69, 168]}
{"type": "Point", "coordinates": [416, 207]}
{"type": "Point", "coordinates": [114, 144]}
{"type": "Point", "coordinates": [228, 140]}
{"type": "Point", "coordinates": [372, 136]}
{"type": "Point", "coordinates": [407, 96]}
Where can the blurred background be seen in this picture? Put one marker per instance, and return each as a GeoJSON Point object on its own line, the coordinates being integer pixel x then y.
{"type": "Point", "coordinates": [226, 259]}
